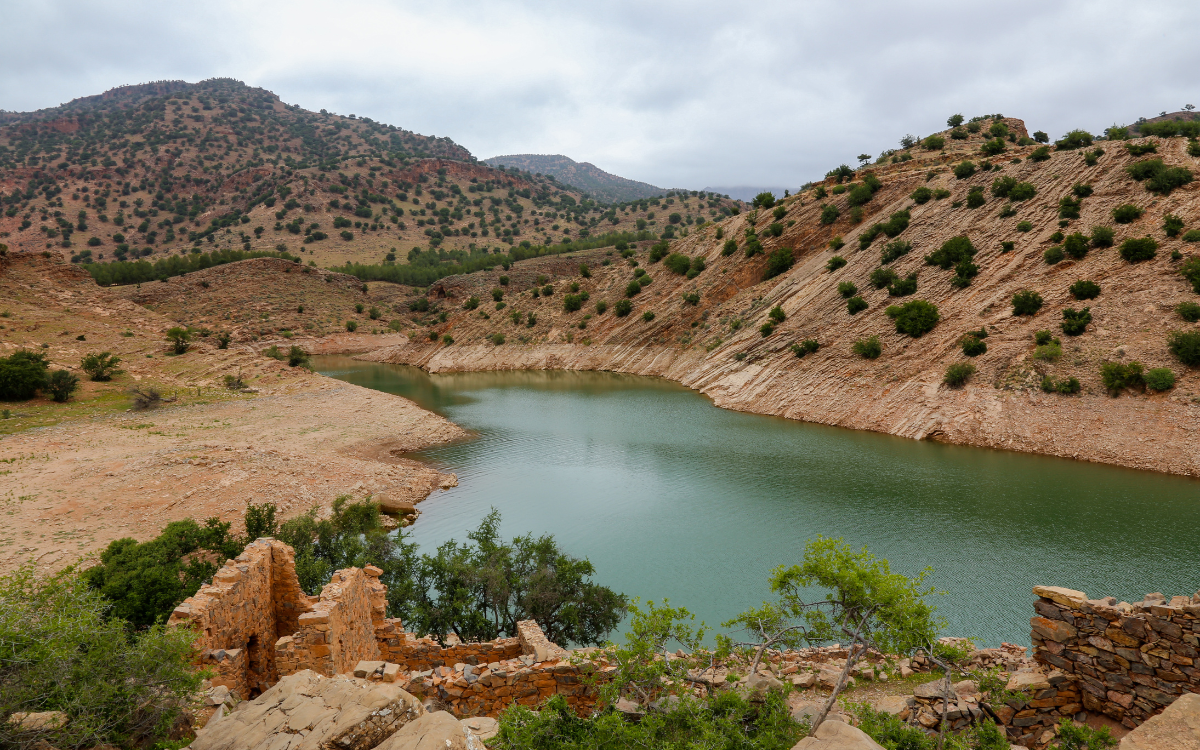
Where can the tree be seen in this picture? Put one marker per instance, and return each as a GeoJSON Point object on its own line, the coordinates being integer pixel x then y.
{"type": "Point", "coordinates": [180, 339]}
{"type": "Point", "coordinates": [765, 199]}
{"type": "Point", "coordinates": [101, 367]}
{"type": "Point", "coordinates": [864, 158]}
{"type": "Point", "coordinates": [954, 120]}
{"type": "Point", "coordinates": [865, 603]}
{"type": "Point", "coordinates": [64, 652]}
{"type": "Point", "coordinates": [22, 375]}
{"type": "Point", "coordinates": [1040, 136]}
{"type": "Point", "coordinates": [61, 384]}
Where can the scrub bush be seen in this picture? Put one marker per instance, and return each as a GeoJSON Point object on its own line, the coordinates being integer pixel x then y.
{"type": "Point", "coordinates": [808, 346]}
{"type": "Point", "coordinates": [855, 305]}
{"type": "Point", "coordinates": [1185, 345]}
{"type": "Point", "coordinates": [1053, 255]}
{"type": "Point", "coordinates": [1076, 245]}
{"type": "Point", "coordinates": [1160, 379]}
{"type": "Point", "coordinates": [1081, 191]}
{"type": "Point", "coordinates": [60, 385]}
{"type": "Point", "coordinates": [1172, 225]}
{"type": "Point", "coordinates": [1026, 302]}
{"type": "Point", "coordinates": [951, 252]}
{"type": "Point", "coordinates": [779, 261]}
{"type": "Point", "coordinates": [835, 263]}
{"type": "Point", "coordinates": [829, 214]}
{"type": "Point", "coordinates": [1118, 376]}
{"type": "Point", "coordinates": [1138, 249]}
{"type": "Point", "coordinates": [1073, 140]}
{"type": "Point", "coordinates": [622, 308]}
{"type": "Point", "coordinates": [101, 367]}
{"type": "Point", "coordinates": [1102, 237]}
{"type": "Point", "coordinates": [1024, 226]}
{"type": "Point", "coordinates": [868, 348]}
{"type": "Point", "coordinates": [847, 289]}
{"type": "Point", "coordinates": [1190, 270]}
{"type": "Point", "coordinates": [1082, 290]}
{"type": "Point", "coordinates": [973, 347]}
{"type": "Point", "coordinates": [975, 197]}
{"type": "Point", "coordinates": [1041, 153]}
{"type": "Point", "coordinates": [1075, 322]}
{"type": "Point", "coordinates": [882, 277]}
{"type": "Point", "coordinates": [1189, 311]}
{"type": "Point", "coordinates": [1143, 148]}
{"type": "Point", "coordinates": [921, 195]}
{"type": "Point", "coordinates": [964, 169]}
{"type": "Point", "coordinates": [915, 318]}
{"type": "Point", "coordinates": [729, 248]}
{"type": "Point", "coordinates": [903, 287]}
{"type": "Point", "coordinates": [894, 250]}
{"type": "Point", "coordinates": [958, 374]}
{"type": "Point", "coordinates": [677, 263]}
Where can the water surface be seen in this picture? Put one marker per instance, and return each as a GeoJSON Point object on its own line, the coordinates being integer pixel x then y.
{"type": "Point", "coordinates": [670, 496]}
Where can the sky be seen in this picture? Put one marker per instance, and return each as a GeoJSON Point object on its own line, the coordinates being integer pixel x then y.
{"type": "Point", "coordinates": [677, 94]}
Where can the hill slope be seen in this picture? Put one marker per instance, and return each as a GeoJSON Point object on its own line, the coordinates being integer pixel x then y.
{"type": "Point", "coordinates": [585, 176]}
{"type": "Point", "coordinates": [712, 342]}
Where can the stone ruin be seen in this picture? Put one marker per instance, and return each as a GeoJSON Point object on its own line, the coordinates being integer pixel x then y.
{"type": "Point", "coordinates": [255, 626]}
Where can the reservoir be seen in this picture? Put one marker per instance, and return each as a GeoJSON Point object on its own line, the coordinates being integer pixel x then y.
{"type": "Point", "coordinates": [672, 497]}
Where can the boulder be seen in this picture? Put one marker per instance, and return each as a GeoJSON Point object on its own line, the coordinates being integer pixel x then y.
{"type": "Point", "coordinates": [435, 731]}
{"type": "Point", "coordinates": [308, 711]}
{"type": "Point", "coordinates": [892, 704]}
{"type": "Point", "coordinates": [934, 691]}
{"type": "Point", "coordinates": [47, 720]}
{"type": "Point", "coordinates": [761, 684]}
{"type": "Point", "coordinates": [804, 680]}
{"type": "Point", "coordinates": [1176, 728]}
{"type": "Point", "coordinates": [1066, 597]}
{"type": "Point", "coordinates": [835, 735]}
{"type": "Point", "coordinates": [805, 711]}
{"type": "Point", "coordinates": [1028, 681]}
{"type": "Point", "coordinates": [483, 727]}
{"type": "Point", "coordinates": [393, 505]}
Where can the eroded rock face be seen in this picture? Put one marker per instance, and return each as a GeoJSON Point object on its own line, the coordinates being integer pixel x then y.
{"type": "Point", "coordinates": [433, 731]}
{"type": "Point", "coordinates": [308, 711]}
{"type": "Point", "coordinates": [1176, 728]}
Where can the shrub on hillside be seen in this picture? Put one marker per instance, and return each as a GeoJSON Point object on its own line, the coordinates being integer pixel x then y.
{"type": "Point", "coordinates": [1160, 379]}
{"type": "Point", "coordinates": [1185, 345]}
{"type": "Point", "coordinates": [1075, 322]}
{"type": "Point", "coordinates": [893, 250]}
{"type": "Point", "coordinates": [1190, 270]}
{"type": "Point", "coordinates": [1083, 289]}
{"type": "Point", "coordinates": [993, 147]}
{"type": "Point", "coordinates": [729, 248]}
{"type": "Point", "coordinates": [1076, 245]}
{"type": "Point", "coordinates": [572, 302]}
{"type": "Point", "coordinates": [1189, 311]}
{"type": "Point", "coordinates": [765, 199]}
{"type": "Point", "coordinates": [1172, 225]}
{"type": "Point", "coordinates": [1102, 236]}
{"type": "Point", "coordinates": [471, 303]}
{"type": "Point", "coordinates": [964, 169]}
{"type": "Point", "coordinates": [915, 318]}
{"type": "Point", "coordinates": [601, 307]}
{"type": "Point", "coordinates": [921, 195]}
{"type": "Point", "coordinates": [351, 326]}
{"type": "Point", "coordinates": [1024, 226]}
{"type": "Point", "coordinates": [780, 260]}
{"type": "Point", "coordinates": [847, 289]}
{"type": "Point", "coordinates": [808, 346]}
{"type": "Point", "coordinates": [1137, 249]}
{"type": "Point", "coordinates": [677, 263]}
{"type": "Point", "coordinates": [1126, 213]}
{"type": "Point", "coordinates": [835, 263]}
{"type": "Point", "coordinates": [829, 214]}
{"type": "Point", "coordinates": [882, 277]}
{"type": "Point", "coordinates": [1041, 153]}
{"type": "Point", "coordinates": [951, 252]}
{"type": "Point", "coordinates": [180, 339]}
{"type": "Point", "coordinates": [101, 367]}
{"type": "Point", "coordinates": [860, 194]}
{"type": "Point", "coordinates": [622, 308]}
{"type": "Point", "coordinates": [1118, 376]}
{"type": "Point", "coordinates": [855, 305]}
{"type": "Point", "coordinates": [958, 374]}
{"type": "Point", "coordinates": [1141, 149]}
{"type": "Point", "coordinates": [934, 143]}
{"type": "Point", "coordinates": [60, 385]}
{"type": "Point", "coordinates": [775, 229]}
{"type": "Point", "coordinates": [1026, 302]}
{"type": "Point", "coordinates": [1081, 191]}
{"type": "Point", "coordinates": [1159, 178]}
{"type": "Point", "coordinates": [1053, 255]}
{"type": "Point", "coordinates": [940, 194]}
{"type": "Point", "coordinates": [1073, 140]}
{"type": "Point", "coordinates": [903, 287]}
{"type": "Point", "coordinates": [972, 346]}
{"type": "Point", "coordinates": [868, 348]}
{"type": "Point", "coordinates": [975, 197]}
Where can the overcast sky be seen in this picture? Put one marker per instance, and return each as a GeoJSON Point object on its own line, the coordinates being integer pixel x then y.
{"type": "Point", "coordinates": [678, 94]}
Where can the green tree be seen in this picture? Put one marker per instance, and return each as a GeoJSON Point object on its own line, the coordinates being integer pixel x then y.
{"type": "Point", "coordinates": [22, 374]}
{"type": "Point", "coordinates": [915, 318]}
{"type": "Point", "coordinates": [180, 339]}
{"type": "Point", "coordinates": [62, 651]}
{"type": "Point", "coordinates": [765, 199]}
{"type": "Point", "coordinates": [61, 384]}
{"type": "Point", "coordinates": [102, 366]}
{"type": "Point", "coordinates": [864, 603]}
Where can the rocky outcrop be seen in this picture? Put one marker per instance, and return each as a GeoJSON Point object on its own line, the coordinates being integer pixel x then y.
{"type": "Point", "coordinates": [835, 735]}
{"type": "Point", "coordinates": [1176, 728]}
{"type": "Point", "coordinates": [433, 731]}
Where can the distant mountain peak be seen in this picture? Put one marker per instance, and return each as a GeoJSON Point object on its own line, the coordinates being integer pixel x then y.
{"type": "Point", "coordinates": [585, 176]}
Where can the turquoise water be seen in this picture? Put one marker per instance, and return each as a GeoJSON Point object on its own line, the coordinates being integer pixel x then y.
{"type": "Point", "coordinates": [670, 496]}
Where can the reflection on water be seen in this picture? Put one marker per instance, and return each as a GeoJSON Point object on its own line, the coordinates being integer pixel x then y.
{"type": "Point", "coordinates": [670, 496]}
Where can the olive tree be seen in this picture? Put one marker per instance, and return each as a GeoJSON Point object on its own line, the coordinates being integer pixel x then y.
{"type": "Point", "coordinates": [864, 603]}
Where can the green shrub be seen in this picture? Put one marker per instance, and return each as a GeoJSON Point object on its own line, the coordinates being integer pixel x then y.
{"type": "Point", "coordinates": [860, 194]}
{"type": "Point", "coordinates": [471, 303]}
{"type": "Point", "coordinates": [1057, 237]}
{"type": "Point", "coordinates": [1073, 140]}
{"type": "Point", "coordinates": [915, 318]}
{"type": "Point", "coordinates": [1007, 210]}
{"type": "Point", "coordinates": [921, 195]}
{"type": "Point", "coordinates": [622, 308]}
{"type": "Point", "coordinates": [1024, 226]}
{"type": "Point", "coordinates": [1082, 290]}
{"type": "Point", "coordinates": [497, 339]}
{"type": "Point", "coordinates": [1049, 352]}
{"type": "Point", "coordinates": [351, 326]}
{"type": "Point", "coordinates": [775, 229]}
{"type": "Point", "coordinates": [1189, 311]}
{"type": "Point", "coordinates": [1041, 153]}
{"type": "Point", "coordinates": [1076, 245]}
{"type": "Point", "coordinates": [1068, 207]}
{"type": "Point", "coordinates": [601, 307]}
{"type": "Point", "coordinates": [951, 252]}
{"type": "Point", "coordinates": [855, 305]}
{"type": "Point", "coordinates": [1102, 237]}
{"type": "Point", "coordinates": [836, 243]}
{"type": "Point", "coordinates": [1075, 322]}
{"type": "Point", "coordinates": [1026, 302]}
{"type": "Point", "coordinates": [677, 263]}
{"type": "Point", "coordinates": [941, 194]}
{"type": "Point", "coordinates": [1143, 148]}
{"type": "Point", "coordinates": [1117, 376]}
{"type": "Point", "coordinates": [808, 346]}
{"type": "Point", "coordinates": [374, 313]}
{"type": "Point", "coordinates": [903, 287]}
{"type": "Point", "coordinates": [633, 288]}
{"type": "Point", "coordinates": [697, 268]}
{"type": "Point", "coordinates": [959, 373]}
{"type": "Point", "coordinates": [882, 277]}
{"type": "Point", "coordinates": [297, 357]}
{"type": "Point", "coordinates": [572, 303]}
{"type": "Point", "coordinates": [868, 348]}
{"type": "Point", "coordinates": [447, 339]}
{"type": "Point", "coordinates": [835, 263]}
{"type": "Point", "coordinates": [766, 329]}
{"type": "Point", "coordinates": [964, 169]}
{"type": "Point", "coordinates": [60, 385]}
{"type": "Point", "coordinates": [1040, 338]}
{"type": "Point", "coordinates": [993, 147]}
{"type": "Point", "coordinates": [1192, 235]}
{"type": "Point", "coordinates": [1172, 225]}
{"type": "Point", "coordinates": [1159, 178]}
{"type": "Point", "coordinates": [647, 316]}
{"type": "Point", "coordinates": [829, 214]}
{"type": "Point", "coordinates": [180, 339]}
{"type": "Point", "coordinates": [497, 294]}
{"type": "Point", "coordinates": [1136, 249]}
{"type": "Point", "coordinates": [1160, 379]}
{"type": "Point", "coordinates": [1053, 255]}
{"type": "Point", "coordinates": [1081, 191]}
{"type": "Point", "coordinates": [847, 289]}
{"type": "Point", "coordinates": [1126, 213]}
{"type": "Point", "coordinates": [975, 197]}
{"type": "Point", "coordinates": [934, 143]}
{"type": "Point", "coordinates": [729, 248]}
{"type": "Point", "coordinates": [781, 259]}
{"type": "Point", "coordinates": [893, 250]}
{"type": "Point", "coordinates": [1190, 270]}
{"type": "Point", "coordinates": [973, 347]}
{"type": "Point", "coordinates": [765, 199]}
{"type": "Point", "coordinates": [1185, 345]}
{"type": "Point", "coordinates": [1007, 246]}
{"type": "Point", "coordinates": [101, 367]}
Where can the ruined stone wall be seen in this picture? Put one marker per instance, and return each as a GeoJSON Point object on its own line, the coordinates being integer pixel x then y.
{"type": "Point", "coordinates": [1128, 661]}
{"type": "Point", "coordinates": [339, 629]}
{"type": "Point", "coordinates": [236, 616]}
{"type": "Point", "coordinates": [416, 653]}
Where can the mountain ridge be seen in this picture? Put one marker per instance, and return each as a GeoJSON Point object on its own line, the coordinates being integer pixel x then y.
{"type": "Point", "coordinates": [585, 176]}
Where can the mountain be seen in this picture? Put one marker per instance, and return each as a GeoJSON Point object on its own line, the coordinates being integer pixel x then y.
{"type": "Point", "coordinates": [744, 192]}
{"type": "Point", "coordinates": [604, 187]}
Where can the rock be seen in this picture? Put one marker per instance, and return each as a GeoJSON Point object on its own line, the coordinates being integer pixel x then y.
{"type": "Point", "coordinates": [1066, 597]}
{"type": "Point", "coordinates": [631, 710]}
{"type": "Point", "coordinates": [446, 481]}
{"type": "Point", "coordinates": [47, 720]}
{"type": "Point", "coordinates": [367, 668]}
{"type": "Point", "coordinates": [1023, 681]}
{"type": "Point", "coordinates": [308, 711]}
{"type": "Point", "coordinates": [966, 687]}
{"type": "Point", "coordinates": [393, 505]}
{"type": "Point", "coordinates": [804, 680]}
{"type": "Point", "coordinates": [892, 704]}
{"type": "Point", "coordinates": [835, 735]}
{"type": "Point", "coordinates": [1054, 630]}
{"type": "Point", "coordinates": [934, 691]}
{"type": "Point", "coordinates": [761, 684]}
{"type": "Point", "coordinates": [1176, 728]}
{"type": "Point", "coordinates": [435, 731]}
{"type": "Point", "coordinates": [483, 727]}
{"type": "Point", "coordinates": [806, 710]}
{"type": "Point", "coordinates": [905, 672]}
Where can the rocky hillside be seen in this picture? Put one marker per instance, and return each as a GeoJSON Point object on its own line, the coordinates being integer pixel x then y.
{"type": "Point", "coordinates": [1036, 219]}
{"type": "Point", "coordinates": [585, 176]}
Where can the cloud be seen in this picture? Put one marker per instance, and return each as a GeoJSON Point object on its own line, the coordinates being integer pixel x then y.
{"type": "Point", "coordinates": [672, 93]}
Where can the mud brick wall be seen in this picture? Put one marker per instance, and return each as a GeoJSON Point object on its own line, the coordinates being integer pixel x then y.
{"type": "Point", "coordinates": [339, 630]}
{"type": "Point", "coordinates": [240, 611]}
{"type": "Point", "coordinates": [1128, 661]}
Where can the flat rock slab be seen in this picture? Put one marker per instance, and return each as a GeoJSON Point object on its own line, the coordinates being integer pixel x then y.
{"type": "Point", "coordinates": [1176, 728]}
{"type": "Point", "coordinates": [434, 731]}
{"type": "Point", "coordinates": [308, 711]}
{"type": "Point", "coordinates": [834, 735]}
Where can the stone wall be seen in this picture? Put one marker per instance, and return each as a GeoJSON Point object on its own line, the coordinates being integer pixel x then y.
{"type": "Point", "coordinates": [1128, 661]}
{"type": "Point", "coordinates": [237, 617]}
{"type": "Point", "coordinates": [422, 654]}
{"type": "Point", "coordinates": [340, 628]}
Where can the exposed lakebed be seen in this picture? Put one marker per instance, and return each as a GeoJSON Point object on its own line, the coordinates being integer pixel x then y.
{"type": "Point", "coordinates": [669, 496]}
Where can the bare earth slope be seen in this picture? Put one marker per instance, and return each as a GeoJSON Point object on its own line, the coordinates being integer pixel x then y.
{"type": "Point", "coordinates": [79, 475]}
{"type": "Point", "coordinates": [716, 346]}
